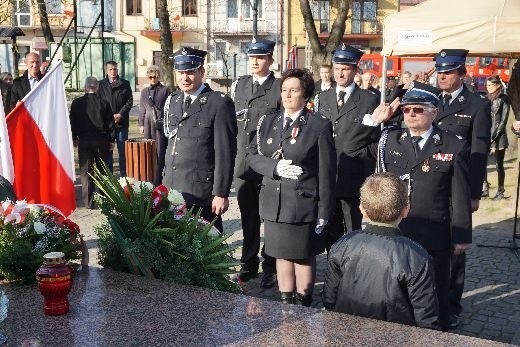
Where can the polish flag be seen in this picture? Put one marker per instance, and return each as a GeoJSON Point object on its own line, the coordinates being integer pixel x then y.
{"type": "Point", "coordinates": [292, 62]}
{"type": "Point", "coordinates": [6, 161]}
{"type": "Point", "coordinates": [41, 145]}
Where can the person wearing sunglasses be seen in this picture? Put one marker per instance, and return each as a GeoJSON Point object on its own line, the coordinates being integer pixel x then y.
{"type": "Point", "coordinates": [151, 116]}
{"type": "Point", "coordinates": [434, 163]}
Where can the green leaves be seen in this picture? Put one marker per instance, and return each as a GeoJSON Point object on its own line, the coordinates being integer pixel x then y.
{"type": "Point", "coordinates": [179, 249]}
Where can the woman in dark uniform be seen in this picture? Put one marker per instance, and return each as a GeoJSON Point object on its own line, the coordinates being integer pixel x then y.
{"type": "Point", "coordinates": [295, 153]}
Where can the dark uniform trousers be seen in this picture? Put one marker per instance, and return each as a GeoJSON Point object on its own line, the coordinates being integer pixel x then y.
{"type": "Point", "coordinates": [349, 135]}
{"type": "Point", "coordinates": [440, 210]}
{"type": "Point", "coordinates": [91, 153]}
{"type": "Point", "coordinates": [201, 149]}
{"type": "Point", "coordinates": [469, 116]}
{"type": "Point", "coordinates": [264, 100]}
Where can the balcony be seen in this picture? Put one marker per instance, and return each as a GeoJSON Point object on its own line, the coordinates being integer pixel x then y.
{"type": "Point", "coordinates": [237, 27]}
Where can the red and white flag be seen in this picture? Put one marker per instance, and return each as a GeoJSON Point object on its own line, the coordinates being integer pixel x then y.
{"type": "Point", "coordinates": [41, 145]}
{"type": "Point", "coordinates": [292, 61]}
{"type": "Point", "coordinates": [6, 161]}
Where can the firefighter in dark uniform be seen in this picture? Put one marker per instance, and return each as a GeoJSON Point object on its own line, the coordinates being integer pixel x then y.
{"type": "Point", "coordinates": [468, 115]}
{"type": "Point", "coordinates": [201, 128]}
{"type": "Point", "coordinates": [254, 95]}
{"type": "Point", "coordinates": [346, 106]}
{"type": "Point", "coordinates": [434, 163]}
{"type": "Point", "coordinates": [294, 151]}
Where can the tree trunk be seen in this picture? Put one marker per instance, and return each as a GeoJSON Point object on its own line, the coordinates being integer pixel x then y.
{"type": "Point", "coordinates": [44, 20]}
{"type": "Point", "coordinates": [323, 54]}
{"type": "Point", "coordinates": [166, 44]}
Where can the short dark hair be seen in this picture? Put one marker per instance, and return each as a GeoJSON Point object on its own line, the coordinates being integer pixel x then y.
{"type": "Point", "coordinates": [327, 65]}
{"type": "Point", "coordinates": [110, 62]}
{"type": "Point", "coordinates": [461, 70]}
{"type": "Point", "coordinates": [495, 79]}
{"type": "Point", "coordinates": [306, 80]}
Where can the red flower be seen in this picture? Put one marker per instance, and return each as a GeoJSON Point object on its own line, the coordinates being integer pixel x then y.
{"type": "Point", "coordinates": [127, 191]}
{"type": "Point", "coordinates": [159, 194]}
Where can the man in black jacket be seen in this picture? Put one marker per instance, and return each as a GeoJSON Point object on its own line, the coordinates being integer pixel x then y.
{"type": "Point", "coordinates": [24, 84]}
{"type": "Point", "coordinates": [92, 126]}
{"type": "Point", "coordinates": [378, 272]}
{"type": "Point", "coordinates": [201, 128]}
{"type": "Point", "coordinates": [118, 94]}
{"type": "Point", "coordinates": [254, 95]}
{"type": "Point", "coordinates": [346, 106]}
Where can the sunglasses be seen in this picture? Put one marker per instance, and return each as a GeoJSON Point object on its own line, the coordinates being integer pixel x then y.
{"type": "Point", "coordinates": [153, 77]}
{"type": "Point", "coordinates": [416, 110]}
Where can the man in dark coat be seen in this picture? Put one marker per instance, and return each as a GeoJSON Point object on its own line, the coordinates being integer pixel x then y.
{"type": "Point", "coordinates": [400, 284]}
{"type": "Point", "coordinates": [24, 84]}
{"type": "Point", "coordinates": [92, 127]}
{"type": "Point", "coordinates": [434, 163]}
{"type": "Point", "coordinates": [201, 128]}
{"type": "Point", "coordinates": [468, 115]}
{"type": "Point", "coordinates": [254, 95]}
{"type": "Point", "coordinates": [325, 82]}
{"type": "Point", "coordinates": [118, 93]}
{"type": "Point", "coordinates": [346, 105]}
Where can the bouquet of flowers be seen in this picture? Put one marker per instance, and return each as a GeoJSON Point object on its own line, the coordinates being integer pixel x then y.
{"type": "Point", "coordinates": [149, 232]}
{"type": "Point", "coordinates": [29, 231]}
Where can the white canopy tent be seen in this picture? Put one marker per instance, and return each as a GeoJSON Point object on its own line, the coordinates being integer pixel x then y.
{"type": "Point", "coordinates": [484, 27]}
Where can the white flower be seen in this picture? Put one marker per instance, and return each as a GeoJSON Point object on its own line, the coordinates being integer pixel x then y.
{"type": "Point", "coordinates": [123, 181]}
{"type": "Point", "coordinates": [39, 227]}
{"type": "Point", "coordinates": [175, 198]}
{"type": "Point", "coordinates": [14, 218]}
{"type": "Point", "coordinates": [4, 303]}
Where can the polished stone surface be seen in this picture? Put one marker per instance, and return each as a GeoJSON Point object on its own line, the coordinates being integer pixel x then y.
{"type": "Point", "coordinates": [115, 309]}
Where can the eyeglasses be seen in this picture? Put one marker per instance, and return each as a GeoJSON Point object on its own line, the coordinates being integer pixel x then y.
{"type": "Point", "coordinates": [153, 77]}
{"type": "Point", "coordinates": [416, 110]}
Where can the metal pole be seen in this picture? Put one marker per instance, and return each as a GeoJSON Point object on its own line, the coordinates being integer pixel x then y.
{"type": "Point", "coordinates": [383, 82]}
{"type": "Point", "coordinates": [102, 14]}
{"type": "Point", "coordinates": [254, 5]}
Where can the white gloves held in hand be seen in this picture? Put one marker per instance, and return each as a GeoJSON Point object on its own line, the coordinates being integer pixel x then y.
{"type": "Point", "coordinates": [286, 170]}
{"type": "Point", "coordinates": [320, 226]}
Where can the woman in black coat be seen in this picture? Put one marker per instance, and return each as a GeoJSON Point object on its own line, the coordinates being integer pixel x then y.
{"type": "Point", "coordinates": [499, 143]}
{"type": "Point", "coordinates": [295, 153]}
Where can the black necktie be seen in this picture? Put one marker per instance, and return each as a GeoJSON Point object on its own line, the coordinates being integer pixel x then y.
{"type": "Point", "coordinates": [415, 142]}
{"type": "Point", "coordinates": [341, 99]}
{"type": "Point", "coordinates": [187, 103]}
{"type": "Point", "coordinates": [287, 123]}
{"type": "Point", "coordinates": [256, 85]}
{"type": "Point", "coordinates": [446, 101]}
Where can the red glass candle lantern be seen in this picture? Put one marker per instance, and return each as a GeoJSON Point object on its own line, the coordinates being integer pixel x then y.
{"type": "Point", "coordinates": [54, 281]}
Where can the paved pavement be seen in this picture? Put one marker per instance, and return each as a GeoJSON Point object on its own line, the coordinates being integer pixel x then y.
{"type": "Point", "coordinates": [491, 298]}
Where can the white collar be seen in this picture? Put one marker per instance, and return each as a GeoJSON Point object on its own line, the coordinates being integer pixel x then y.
{"type": "Point", "coordinates": [260, 80]}
{"type": "Point", "coordinates": [196, 94]}
{"type": "Point", "coordinates": [424, 137]}
{"type": "Point", "coordinates": [455, 93]}
{"type": "Point", "coordinates": [293, 116]}
{"type": "Point", "coordinates": [348, 89]}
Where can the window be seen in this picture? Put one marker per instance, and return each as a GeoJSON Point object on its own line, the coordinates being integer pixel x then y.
{"type": "Point", "coordinates": [189, 7]}
{"type": "Point", "coordinates": [134, 7]}
{"type": "Point", "coordinates": [363, 10]}
{"type": "Point", "coordinates": [22, 14]}
{"type": "Point", "coordinates": [243, 9]}
{"type": "Point", "coordinates": [320, 13]}
{"type": "Point", "coordinates": [220, 50]}
{"type": "Point", "coordinates": [53, 6]}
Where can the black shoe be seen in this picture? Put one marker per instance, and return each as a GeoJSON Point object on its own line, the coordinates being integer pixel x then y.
{"type": "Point", "coordinates": [287, 297]}
{"type": "Point", "coordinates": [244, 276]}
{"type": "Point", "coordinates": [303, 300]}
{"type": "Point", "coordinates": [499, 195]}
{"type": "Point", "coordinates": [454, 322]}
{"type": "Point", "coordinates": [268, 280]}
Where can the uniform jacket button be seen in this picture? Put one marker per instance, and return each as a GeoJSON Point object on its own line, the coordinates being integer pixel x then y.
{"type": "Point", "coordinates": [440, 123]}
{"type": "Point", "coordinates": [180, 124]}
{"type": "Point", "coordinates": [277, 188]}
{"type": "Point", "coordinates": [176, 153]}
{"type": "Point", "coordinates": [413, 170]}
{"type": "Point", "coordinates": [174, 167]}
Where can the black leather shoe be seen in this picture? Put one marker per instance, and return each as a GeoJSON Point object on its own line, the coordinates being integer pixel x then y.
{"type": "Point", "coordinates": [454, 322]}
{"type": "Point", "coordinates": [287, 297]}
{"type": "Point", "coordinates": [244, 276]}
{"type": "Point", "coordinates": [303, 300]}
{"type": "Point", "coordinates": [268, 280]}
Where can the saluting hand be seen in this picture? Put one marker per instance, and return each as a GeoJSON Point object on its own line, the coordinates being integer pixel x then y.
{"type": "Point", "coordinates": [384, 112]}
{"type": "Point", "coordinates": [460, 248]}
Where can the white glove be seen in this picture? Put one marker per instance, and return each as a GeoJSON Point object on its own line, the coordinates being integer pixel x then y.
{"type": "Point", "coordinates": [286, 170]}
{"type": "Point", "coordinates": [320, 225]}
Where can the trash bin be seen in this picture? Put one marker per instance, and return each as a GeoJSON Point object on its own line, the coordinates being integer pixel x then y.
{"type": "Point", "coordinates": [141, 159]}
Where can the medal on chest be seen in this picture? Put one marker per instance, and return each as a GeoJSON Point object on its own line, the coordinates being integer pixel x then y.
{"type": "Point", "coordinates": [425, 166]}
{"type": "Point", "coordinates": [294, 134]}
